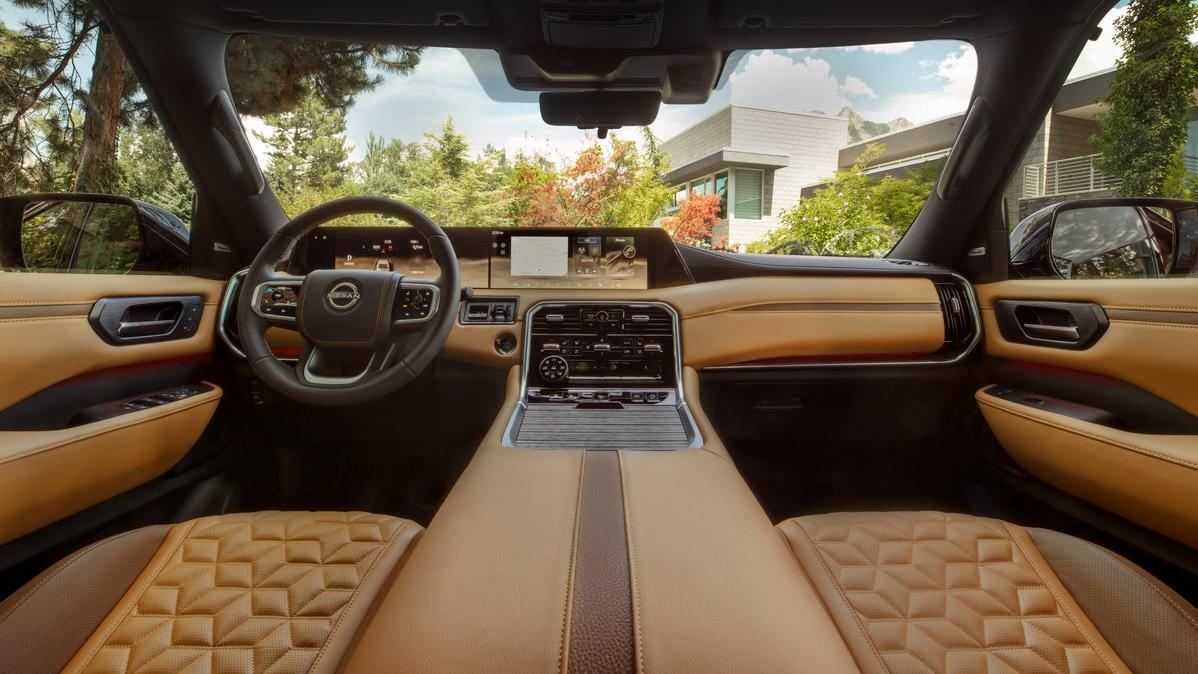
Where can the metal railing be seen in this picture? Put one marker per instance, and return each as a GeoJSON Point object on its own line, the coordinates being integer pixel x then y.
{"type": "Point", "coordinates": [1076, 175]}
{"type": "Point", "coordinates": [1066, 176]}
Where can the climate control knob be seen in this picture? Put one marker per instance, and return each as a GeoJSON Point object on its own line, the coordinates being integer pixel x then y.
{"type": "Point", "coordinates": [553, 368]}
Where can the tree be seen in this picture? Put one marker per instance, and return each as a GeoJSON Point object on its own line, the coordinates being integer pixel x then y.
{"type": "Point", "coordinates": [449, 149]}
{"type": "Point", "coordinates": [308, 149]}
{"type": "Point", "coordinates": [697, 215]}
{"type": "Point", "coordinates": [1144, 131]}
{"type": "Point", "coordinates": [853, 214]}
{"type": "Point", "coordinates": [148, 167]}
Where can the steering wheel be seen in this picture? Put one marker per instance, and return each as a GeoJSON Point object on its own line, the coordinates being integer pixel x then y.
{"type": "Point", "coordinates": [366, 332]}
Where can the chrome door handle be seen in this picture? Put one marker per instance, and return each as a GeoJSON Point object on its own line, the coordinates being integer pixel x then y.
{"type": "Point", "coordinates": [1058, 332]}
{"type": "Point", "coordinates": [145, 328]}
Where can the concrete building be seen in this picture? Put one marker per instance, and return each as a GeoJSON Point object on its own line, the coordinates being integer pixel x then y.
{"type": "Point", "coordinates": [763, 162]}
{"type": "Point", "coordinates": [757, 161]}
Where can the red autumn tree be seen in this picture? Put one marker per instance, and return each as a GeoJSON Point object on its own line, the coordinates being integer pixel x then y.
{"type": "Point", "coordinates": [697, 216]}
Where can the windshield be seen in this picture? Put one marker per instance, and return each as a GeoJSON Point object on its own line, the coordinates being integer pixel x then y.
{"type": "Point", "coordinates": [807, 151]}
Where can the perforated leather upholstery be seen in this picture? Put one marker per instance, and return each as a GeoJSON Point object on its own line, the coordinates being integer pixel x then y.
{"type": "Point", "coordinates": [931, 592]}
{"type": "Point", "coordinates": [264, 592]}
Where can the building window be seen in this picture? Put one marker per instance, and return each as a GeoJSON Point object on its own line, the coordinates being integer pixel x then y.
{"type": "Point", "coordinates": [746, 199]}
{"type": "Point", "coordinates": [721, 188]}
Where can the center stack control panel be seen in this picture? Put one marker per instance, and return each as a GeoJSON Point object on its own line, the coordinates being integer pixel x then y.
{"type": "Point", "coordinates": [621, 353]}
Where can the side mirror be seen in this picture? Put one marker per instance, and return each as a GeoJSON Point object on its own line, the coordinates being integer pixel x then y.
{"type": "Point", "coordinates": [1108, 238]}
{"type": "Point", "coordinates": [89, 233]}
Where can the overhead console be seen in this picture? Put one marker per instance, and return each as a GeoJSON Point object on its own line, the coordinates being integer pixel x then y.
{"type": "Point", "coordinates": [602, 375]}
{"type": "Point", "coordinates": [549, 258]}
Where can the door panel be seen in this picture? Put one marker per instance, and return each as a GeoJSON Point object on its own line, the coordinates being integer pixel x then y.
{"type": "Point", "coordinates": [1150, 343]}
{"type": "Point", "coordinates": [48, 338]}
{"type": "Point", "coordinates": [61, 453]}
{"type": "Point", "coordinates": [1126, 438]}
{"type": "Point", "coordinates": [47, 475]}
{"type": "Point", "coordinates": [1149, 479]}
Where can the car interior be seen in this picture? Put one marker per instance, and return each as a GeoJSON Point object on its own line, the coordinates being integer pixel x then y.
{"type": "Point", "coordinates": [698, 461]}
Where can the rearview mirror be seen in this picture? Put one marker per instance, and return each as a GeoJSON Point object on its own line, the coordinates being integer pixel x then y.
{"type": "Point", "coordinates": [89, 233]}
{"type": "Point", "coordinates": [1108, 238]}
{"type": "Point", "coordinates": [600, 110]}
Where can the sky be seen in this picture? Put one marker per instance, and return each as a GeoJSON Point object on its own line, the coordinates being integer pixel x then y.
{"type": "Point", "coordinates": [917, 81]}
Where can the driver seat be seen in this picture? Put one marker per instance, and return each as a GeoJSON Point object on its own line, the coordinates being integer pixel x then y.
{"type": "Point", "coordinates": [253, 592]}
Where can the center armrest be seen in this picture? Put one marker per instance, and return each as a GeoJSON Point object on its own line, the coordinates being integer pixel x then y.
{"type": "Point", "coordinates": [517, 570]}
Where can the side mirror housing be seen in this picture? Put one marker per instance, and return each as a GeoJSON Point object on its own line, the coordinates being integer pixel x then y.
{"type": "Point", "coordinates": [90, 233]}
{"type": "Point", "coordinates": [1108, 238]}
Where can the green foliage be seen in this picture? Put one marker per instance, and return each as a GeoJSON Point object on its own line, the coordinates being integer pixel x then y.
{"type": "Point", "coordinates": [1144, 131]}
{"type": "Point", "coordinates": [308, 149]}
{"type": "Point", "coordinates": [854, 214]}
{"type": "Point", "coordinates": [149, 169]}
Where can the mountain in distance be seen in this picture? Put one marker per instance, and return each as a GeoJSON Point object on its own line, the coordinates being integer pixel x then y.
{"type": "Point", "coordinates": [861, 128]}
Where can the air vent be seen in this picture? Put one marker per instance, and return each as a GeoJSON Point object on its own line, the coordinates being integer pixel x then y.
{"type": "Point", "coordinates": [647, 321]}
{"type": "Point", "coordinates": [556, 320]}
{"type": "Point", "coordinates": [958, 319]}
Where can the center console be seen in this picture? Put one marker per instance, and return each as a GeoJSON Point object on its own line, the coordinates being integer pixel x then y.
{"type": "Point", "coordinates": [602, 375]}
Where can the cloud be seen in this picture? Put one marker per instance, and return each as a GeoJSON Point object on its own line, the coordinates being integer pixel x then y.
{"type": "Point", "coordinates": [952, 78]}
{"type": "Point", "coordinates": [773, 80]}
{"type": "Point", "coordinates": [888, 48]}
{"type": "Point", "coordinates": [854, 86]}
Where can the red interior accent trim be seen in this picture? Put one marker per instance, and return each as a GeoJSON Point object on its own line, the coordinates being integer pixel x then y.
{"type": "Point", "coordinates": [193, 359]}
{"type": "Point", "coordinates": [1058, 370]}
{"type": "Point", "coordinates": [287, 353]}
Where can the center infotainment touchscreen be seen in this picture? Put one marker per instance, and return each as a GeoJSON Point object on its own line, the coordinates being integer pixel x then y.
{"type": "Point", "coordinates": [611, 259]}
{"type": "Point", "coordinates": [556, 260]}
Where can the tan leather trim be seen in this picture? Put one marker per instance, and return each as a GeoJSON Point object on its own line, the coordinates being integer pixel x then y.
{"type": "Point", "coordinates": [714, 587]}
{"type": "Point", "coordinates": [1149, 479]}
{"type": "Point", "coordinates": [51, 340]}
{"type": "Point", "coordinates": [488, 588]}
{"type": "Point", "coordinates": [284, 591]}
{"type": "Point", "coordinates": [1152, 328]}
{"type": "Point", "coordinates": [738, 320]}
{"type": "Point", "coordinates": [1149, 625]}
{"type": "Point", "coordinates": [957, 594]}
{"type": "Point", "coordinates": [47, 475]}
{"type": "Point", "coordinates": [44, 623]}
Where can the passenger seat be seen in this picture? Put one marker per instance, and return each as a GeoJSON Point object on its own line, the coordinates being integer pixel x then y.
{"type": "Point", "coordinates": [934, 592]}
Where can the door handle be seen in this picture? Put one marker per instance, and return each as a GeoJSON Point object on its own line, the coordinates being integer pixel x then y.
{"type": "Point", "coordinates": [1056, 325]}
{"type": "Point", "coordinates": [1059, 332]}
{"type": "Point", "coordinates": [122, 321]}
{"type": "Point", "coordinates": [145, 328]}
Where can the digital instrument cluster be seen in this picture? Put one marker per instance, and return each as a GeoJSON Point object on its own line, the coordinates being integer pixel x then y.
{"type": "Point", "coordinates": [510, 259]}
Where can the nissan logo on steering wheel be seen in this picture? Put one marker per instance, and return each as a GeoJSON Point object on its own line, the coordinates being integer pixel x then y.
{"type": "Point", "coordinates": [344, 296]}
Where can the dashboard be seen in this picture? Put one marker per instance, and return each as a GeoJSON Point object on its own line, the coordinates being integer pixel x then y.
{"type": "Point", "coordinates": [550, 258]}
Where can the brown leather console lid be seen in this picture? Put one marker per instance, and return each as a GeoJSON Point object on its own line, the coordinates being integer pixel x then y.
{"type": "Point", "coordinates": [494, 583]}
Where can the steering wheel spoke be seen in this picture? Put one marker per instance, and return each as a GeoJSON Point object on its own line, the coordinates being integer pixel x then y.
{"type": "Point", "coordinates": [416, 303]}
{"type": "Point", "coordinates": [276, 301]}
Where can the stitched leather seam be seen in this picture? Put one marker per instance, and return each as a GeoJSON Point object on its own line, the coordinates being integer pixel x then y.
{"type": "Point", "coordinates": [563, 646]}
{"type": "Point", "coordinates": [1150, 324]}
{"type": "Point", "coordinates": [1097, 438]}
{"type": "Point", "coordinates": [106, 431]}
{"type": "Point", "coordinates": [62, 566]}
{"type": "Point", "coordinates": [1150, 307]}
{"type": "Point", "coordinates": [56, 303]}
{"type": "Point", "coordinates": [1151, 585]}
{"type": "Point", "coordinates": [819, 557]}
{"type": "Point", "coordinates": [632, 571]}
{"type": "Point", "coordinates": [134, 600]}
{"type": "Point", "coordinates": [1060, 603]}
{"type": "Point", "coordinates": [382, 553]}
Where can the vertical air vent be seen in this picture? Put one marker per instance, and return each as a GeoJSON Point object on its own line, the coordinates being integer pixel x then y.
{"type": "Point", "coordinates": [958, 319]}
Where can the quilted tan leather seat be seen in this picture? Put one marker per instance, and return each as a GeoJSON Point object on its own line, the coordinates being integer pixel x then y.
{"type": "Point", "coordinates": [260, 592]}
{"type": "Point", "coordinates": [918, 592]}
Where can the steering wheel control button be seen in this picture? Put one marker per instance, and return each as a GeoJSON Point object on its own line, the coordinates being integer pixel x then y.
{"type": "Point", "coordinates": [415, 304]}
{"type": "Point", "coordinates": [553, 368]}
